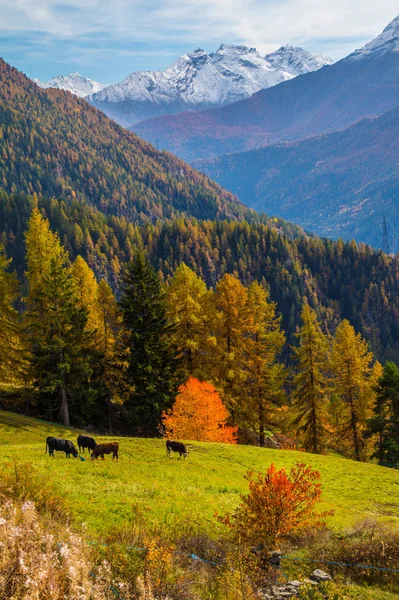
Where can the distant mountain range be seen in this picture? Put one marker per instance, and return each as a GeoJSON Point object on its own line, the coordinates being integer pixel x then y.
{"type": "Point", "coordinates": [337, 185]}
{"type": "Point", "coordinates": [75, 83]}
{"type": "Point", "coordinates": [196, 81]}
{"type": "Point", "coordinates": [365, 84]}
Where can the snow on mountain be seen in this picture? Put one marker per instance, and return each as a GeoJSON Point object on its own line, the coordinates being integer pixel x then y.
{"type": "Point", "coordinates": [297, 61]}
{"type": "Point", "coordinates": [198, 78]}
{"type": "Point", "coordinates": [197, 81]}
{"type": "Point", "coordinates": [387, 41]}
{"type": "Point", "coordinates": [74, 83]}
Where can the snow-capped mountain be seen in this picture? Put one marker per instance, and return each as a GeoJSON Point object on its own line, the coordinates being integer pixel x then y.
{"type": "Point", "coordinates": [197, 81]}
{"type": "Point", "coordinates": [387, 41]}
{"type": "Point", "coordinates": [297, 61]}
{"type": "Point", "coordinates": [74, 83]}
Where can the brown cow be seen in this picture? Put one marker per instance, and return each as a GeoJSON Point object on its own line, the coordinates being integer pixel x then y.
{"type": "Point", "coordinates": [106, 448]}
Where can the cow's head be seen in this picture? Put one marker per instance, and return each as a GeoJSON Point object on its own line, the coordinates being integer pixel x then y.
{"type": "Point", "coordinates": [75, 453]}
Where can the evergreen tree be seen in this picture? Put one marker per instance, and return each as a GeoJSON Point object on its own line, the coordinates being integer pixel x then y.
{"type": "Point", "coordinates": [265, 374]}
{"type": "Point", "coordinates": [310, 384]}
{"type": "Point", "coordinates": [353, 384]}
{"type": "Point", "coordinates": [153, 366]}
{"type": "Point", "coordinates": [55, 325]}
{"type": "Point", "coordinates": [385, 421]}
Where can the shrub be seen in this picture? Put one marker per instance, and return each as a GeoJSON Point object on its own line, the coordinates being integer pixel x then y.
{"type": "Point", "coordinates": [278, 504]}
{"type": "Point", "coordinates": [21, 481]}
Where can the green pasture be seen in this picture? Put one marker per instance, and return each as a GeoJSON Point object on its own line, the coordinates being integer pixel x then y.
{"type": "Point", "coordinates": [104, 494]}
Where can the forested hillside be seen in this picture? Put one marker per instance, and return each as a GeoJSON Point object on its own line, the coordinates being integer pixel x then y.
{"type": "Point", "coordinates": [341, 280]}
{"type": "Point", "coordinates": [338, 184]}
{"type": "Point", "coordinates": [55, 144]}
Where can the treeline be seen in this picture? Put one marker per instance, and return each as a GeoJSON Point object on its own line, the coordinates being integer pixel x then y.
{"type": "Point", "coordinates": [84, 357]}
{"type": "Point", "coordinates": [340, 280]}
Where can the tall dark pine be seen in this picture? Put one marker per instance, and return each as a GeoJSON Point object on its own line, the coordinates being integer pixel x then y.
{"type": "Point", "coordinates": [385, 422]}
{"type": "Point", "coordinates": [153, 364]}
{"type": "Point", "coordinates": [59, 361]}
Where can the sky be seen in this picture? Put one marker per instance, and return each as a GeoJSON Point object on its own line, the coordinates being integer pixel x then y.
{"type": "Point", "coordinates": [108, 39]}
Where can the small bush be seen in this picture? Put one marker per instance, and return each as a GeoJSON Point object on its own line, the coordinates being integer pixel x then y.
{"type": "Point", "coordinates": [21, 482]}
{"type": "Point", "coordinates": [369, 543]}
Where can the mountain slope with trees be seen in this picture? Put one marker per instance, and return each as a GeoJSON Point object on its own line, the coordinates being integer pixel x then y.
{"type": "Point", "coordinates": [340, 280]}
{"type": "Point", "coordinates": [54, 144]}
{"type": "Point", "coordinates": [338, 184]}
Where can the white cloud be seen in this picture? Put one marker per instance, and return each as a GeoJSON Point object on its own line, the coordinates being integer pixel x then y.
{"type": "Point", "coordinates": [336, 27]}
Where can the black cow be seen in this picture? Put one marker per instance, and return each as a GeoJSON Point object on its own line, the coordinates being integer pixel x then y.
{"type": "Point", "coordinates": [179, 447]}
{"type": "Point", "coordinates": [61, 446]}
{"type": "Point", "coordinates": [85, 441]}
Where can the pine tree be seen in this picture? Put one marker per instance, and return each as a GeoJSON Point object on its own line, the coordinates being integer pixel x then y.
{"type": "Point", "coordinates": [55, 325]}
{"type": "Point", "coordinates": [385, 420]}
{"type": "Point", "coordinates": [310, 385]}
{"type": "Point", "coordinates": [265, 373]}
{"type": "Point", "coordinates": [86, 289]}
{"type": "Point", "coordinates": [188, 311]}
{"type": "Point", "coordinates": [153, 366]}
{"type": "Point", "coordinates": [351, 364]}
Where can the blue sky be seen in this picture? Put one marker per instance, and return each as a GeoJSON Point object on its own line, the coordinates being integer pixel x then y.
{"type": "Point", "coordinates": [108, 39]}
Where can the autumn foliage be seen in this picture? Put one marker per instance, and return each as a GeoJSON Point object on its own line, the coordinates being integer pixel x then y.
{"type": "Point", "coordinates": [278, 504]}
{"type": "Point", "coordinates": [199, 414]}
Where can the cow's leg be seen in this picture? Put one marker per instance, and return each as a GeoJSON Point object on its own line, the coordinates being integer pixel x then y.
{"type": "Point", "coordinates": [51, 453]}
{"type": "Point", "coordinates": [102, 457]}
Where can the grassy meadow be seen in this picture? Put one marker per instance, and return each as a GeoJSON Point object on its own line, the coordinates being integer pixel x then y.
{"type": "Point", "coordinates": [105, 494]}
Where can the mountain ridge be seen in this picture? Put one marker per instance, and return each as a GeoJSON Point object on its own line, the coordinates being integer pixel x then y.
{"type": "Point", "coordinates": [199, 80]}
{"type": "Point", "coordinates": [322, 101]}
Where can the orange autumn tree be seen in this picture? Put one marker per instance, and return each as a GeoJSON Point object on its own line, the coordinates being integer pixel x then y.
{"type": "Point", "coordinates": [278, 504]}
{"type": "Point", "coordinates": [199, 414]}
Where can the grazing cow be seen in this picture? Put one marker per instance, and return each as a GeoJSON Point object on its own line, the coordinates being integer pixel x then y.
{"type": "Point", "coordinates": [61, 446]}
{"type": "Point", "coordinates": [85, 441]}
{"type": "Point", "coordinates": [179, 447]}
{"type": "Point", "coordinates": [102, 449]}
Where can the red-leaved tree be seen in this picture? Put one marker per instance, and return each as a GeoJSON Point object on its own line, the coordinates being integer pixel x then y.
{"type": "Point", "coordinates": [278, 504]}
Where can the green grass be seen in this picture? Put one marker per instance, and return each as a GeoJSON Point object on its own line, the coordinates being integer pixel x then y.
{"type": "Point", "coordinates": [104, 493]}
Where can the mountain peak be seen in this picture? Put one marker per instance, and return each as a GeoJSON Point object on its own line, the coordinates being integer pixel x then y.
{"type": "Point", "coordinates": [75, 83]}
{"type": "Point", "coordinates": [387, 41]}
{"type": "Point", "coordinates": [297, 61]}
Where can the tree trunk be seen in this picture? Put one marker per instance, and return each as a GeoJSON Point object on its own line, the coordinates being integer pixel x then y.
{"type": "Point", "coordinates": [261, 425]}
{"type": "Point", "coordinates": [64, 397]}
{"type": "Point", "coordinates": [64, 407]}
{"type": "Point", "coordinates": [109, 415]}
{"type": "Point", "coordinates": [356, 440]}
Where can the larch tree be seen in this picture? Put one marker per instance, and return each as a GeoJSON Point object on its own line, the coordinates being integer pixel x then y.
{"type": "Point", "coordinates": [353, 379]}
{"type": "Point", "coordinates": [265, 374]}
{"type": "Point", "coordinates": [199, 414]}
{"type": "Point", "coordinates": [188, 311]}
{"type": "Point", "coordinates": [153, 363]}
{"type": "Point", "coordinates": [113, 350]}
{"type": "Point", "coordinates": [13, 355]}
{"type": "Point", "coordinates": [310, 385]}
{"type": "Point", "coordinates": [86, 289]}
{"type": "Point", "coordinates": [231, 322]}
{"type": "Point", "coordinates": [55, 324]}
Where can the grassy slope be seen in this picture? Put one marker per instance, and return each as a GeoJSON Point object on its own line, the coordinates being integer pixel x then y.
{"type": "Point", "coordinates": [102, 493]}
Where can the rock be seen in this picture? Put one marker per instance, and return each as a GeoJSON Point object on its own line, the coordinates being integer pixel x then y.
{"type": "Point", "coordinates": [295, 583]}
{"type": "Point", "coordinates": [320, 575]}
